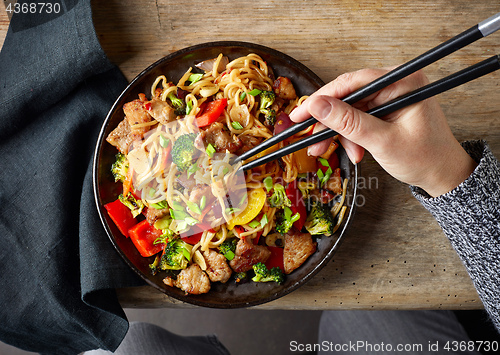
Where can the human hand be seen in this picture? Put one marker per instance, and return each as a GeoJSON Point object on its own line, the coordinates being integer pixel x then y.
{"type": "Point", "coordinates": [415, 144]}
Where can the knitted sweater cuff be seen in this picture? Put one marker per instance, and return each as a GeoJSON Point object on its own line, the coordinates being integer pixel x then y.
{"type": "Point", "coordinates": [470, 217]}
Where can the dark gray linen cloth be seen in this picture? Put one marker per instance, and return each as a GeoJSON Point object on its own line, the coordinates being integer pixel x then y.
{"type": "Point", "coordinates": [58, 268]}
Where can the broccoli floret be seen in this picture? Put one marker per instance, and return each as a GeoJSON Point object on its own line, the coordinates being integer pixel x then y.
{"type": "Point", "coordinates": [120, 167]}
{"type": "Point", "coordinates": [228, 248]}
{"type": "Point", "coordinates": [178, 104]}
{"type": "Point", "coordinates": [130, 201]}
{"type": "Point", "coordinates": [285, 220]}
{"type": "Point", "coordinates": [320, 220]}
{"type": "Point", "coordinates": [176, 255]}
{"type": "Point", "coordinates": [266, 99]}
{"type": "Point", "coordinates": [183, 151]}
{"type": "Point", "coordinates": [269, 116]}
{"type": "Point", "coordinates": [279, 198]}
{"type": "Point", "coordinates": [263, 274]}
{"type": "Point", "coordinates": [153, 267]}
{"type": "Point", "coordinates": [241, 276]}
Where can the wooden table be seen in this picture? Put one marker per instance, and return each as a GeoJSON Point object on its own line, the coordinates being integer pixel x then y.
{"type": "Point", "coordinates": [395, 256]}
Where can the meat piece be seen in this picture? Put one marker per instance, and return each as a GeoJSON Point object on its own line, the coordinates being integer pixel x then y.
{"type": "Point", "coordinates": [248, 254]}
{"type": "Point", "coordinates": [162, 111]}
{"type": "Point", "coordinates": [217, 267]}
{"type": "Point", "coordinates": [248, 142]}
{"type": "Point", "coordinates": [137, 114]}
{"type": "Point", "coordinates": [220, 138]}
{"type": "Point", "coordinates": [122, 137]}
{"type": "Point", "coordinates": [298, 247]}
{"type": "Point", "coordinates": [200, 190]}
{"type": "Point", "coordinates": [154, 214]}
{"type": "Point", "coordinates": [192, 280]}
{"type": "Point", "coordinates": [334, 184]}
{"type": "Point", "coordinates": [284, 89]}
{"type": "Point", "coordinates": [187, 183]}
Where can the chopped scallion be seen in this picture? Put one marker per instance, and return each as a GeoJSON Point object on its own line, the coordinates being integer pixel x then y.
{"type": "Point", "coordinates": [268, 183]}
{"type": "Point", "coordinates": [255, 92]}
{"type": "Point", "coordinates": [236, 125]}
{"type": "Point", "coordinates": [193, 78]}
{"type": "Point", "coordinates": [193, 207]}
{"type": "Point", "coordinates": [254, 224]}
{"type": "Point", "coordinates": [263, 220]}
{"type": "Point", "coordinates": [242, 96]}
{"type": "Point", "coordinates": [203, 202]}
{"type": "Point", "coordinates": [210, 150]}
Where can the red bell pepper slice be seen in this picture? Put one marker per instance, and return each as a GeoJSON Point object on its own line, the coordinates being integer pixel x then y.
{"type": "Point", "coordinates": [121, 216]}
{"type": "Point", "coordinates": [276, 258]}
{"type": "Point", "coordinates": [211, 113]}
{"type": "Point", "coordinates": [192, 239]}
{"type": "Point", "coordinates": [298, 205]}
{"type": "Point", "coordinates": [143, 236]}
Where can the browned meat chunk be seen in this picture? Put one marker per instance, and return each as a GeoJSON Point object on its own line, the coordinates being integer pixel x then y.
{"type": "Point", "coordinates": [284, 89]}
{"type": "Point", "coordinates": [248, 254]}
{"type": "Point", "coordinates": [334, 184]}
{"type": "Point", "coordinates": [192, 280]}
{"type": "Point", "coordinates": [162, 111]}
{"type": "Point", "coordinates": [154, 214]}
{"type": "Point", "coordinates": [217, 267]}
{"type": "Point", "coordinates": [121, 137]}
{"type": "Point", "coordinates": [298, 247]}
{"type": "Point", "coordinates": [200, 190]}
{"type": "Point", "coordinates": [248, 142]}
{"type": "Point", "coordinates": [136, 114]}
{"type": "Point", "coordinates": [187, 183]}
{"type": "Point", "coordinates": [220, 138]}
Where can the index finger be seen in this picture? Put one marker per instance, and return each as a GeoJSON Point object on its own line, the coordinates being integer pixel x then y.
{"type": "Point", "coordinates": [340, 87]}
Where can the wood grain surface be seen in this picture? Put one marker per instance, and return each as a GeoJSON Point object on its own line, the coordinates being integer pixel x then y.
{"type": "Point", "coordinates": [395, 256]}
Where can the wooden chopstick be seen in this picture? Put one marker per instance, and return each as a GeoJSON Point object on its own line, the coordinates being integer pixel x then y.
{"type": "Point", "coordinates": [473, 72]}
{"type": "Point", "coordinates": [465, 38]}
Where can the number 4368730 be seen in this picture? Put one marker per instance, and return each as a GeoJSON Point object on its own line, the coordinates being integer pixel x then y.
{"type": "Point", "coordinates": [33, 8]}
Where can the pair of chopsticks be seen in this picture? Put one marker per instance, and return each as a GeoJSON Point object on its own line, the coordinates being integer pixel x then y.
{"type": "Point", "coordinates": [465, 38]}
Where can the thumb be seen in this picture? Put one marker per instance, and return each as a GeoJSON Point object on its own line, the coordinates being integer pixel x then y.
{"type": "Point", "coordinates": [351, 123]}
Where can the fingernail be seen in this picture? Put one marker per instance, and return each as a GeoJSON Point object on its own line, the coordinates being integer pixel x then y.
{"type": "Point", "coordinates": [320, 108]}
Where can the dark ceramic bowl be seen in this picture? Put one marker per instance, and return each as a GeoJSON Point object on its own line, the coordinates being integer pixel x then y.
{"type": "Point", "coordinates": [229, 295]}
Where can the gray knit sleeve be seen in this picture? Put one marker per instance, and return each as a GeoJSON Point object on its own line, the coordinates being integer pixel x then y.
{"type": "Point", "coordinates": [470, 217]}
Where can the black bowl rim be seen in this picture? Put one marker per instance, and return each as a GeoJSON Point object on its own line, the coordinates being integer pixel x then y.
{"type": "Point", "coordinates": [189, 298]}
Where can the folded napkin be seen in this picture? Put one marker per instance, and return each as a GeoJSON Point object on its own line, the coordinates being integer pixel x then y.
{"type": "Point", "coordinates": [58, 268]}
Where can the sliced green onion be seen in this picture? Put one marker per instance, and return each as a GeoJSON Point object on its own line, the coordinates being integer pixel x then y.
{"type": "Point", "coordinates": [193, 78]}
{"type": "Point", "coordinates": [191, 221]}
{"type": "Point", "coordinates": [160, 205]}
{"type": "Point", "coordinates": [229, 255]}
{"type": "Point", "coordinates": [255, 92]}
{"type": "Point", "coordinates": [268, 183]}
{"type": "Point", "coordinates": [151, 192]}
{"type": "Point", "coordinates": [193, 207]}
{"type": "Point", "coordinates": [236, 125]}
{"type": "Point", "coordinates": [242, 96]}
{"type": "Point", "coordinates": [192, 169]}
{"type": "Point", "coordinates": [320, 174]}
{"type": "Point", "coordinates": [254, 224]}
{"type": "Point", "coordinates": [189, 107]}
{"type": "Point", "coordinates": [210, 150]}
{"type": "Point", "coordinates": [225, 170]}
{"type": "Point", "coordinates": [232, 210]}
{"type": "Point", "coordinates": [243, 199]}
{"type": "Point", "coordinates": [263, 220]}
{"type": "Point", "coordinates": [186, 253]}
{"type": "Point", "coordinates": [324, 162]}
{"type": "Point", "coordinates": [203, 202]}
{"type": "Point", "coordinates": [164, 141]}
{"type": "Point", "coordinates": [177, 206]}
